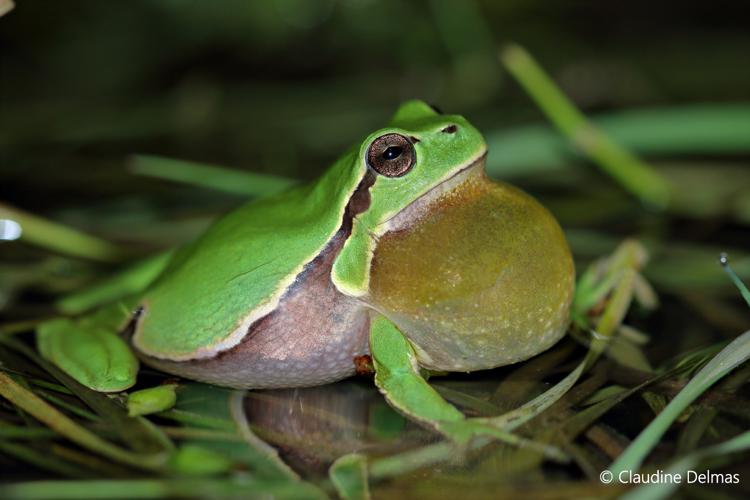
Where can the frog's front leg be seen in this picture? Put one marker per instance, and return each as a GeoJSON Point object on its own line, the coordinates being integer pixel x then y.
{"type": "Point", "coordinates": [398, 378]}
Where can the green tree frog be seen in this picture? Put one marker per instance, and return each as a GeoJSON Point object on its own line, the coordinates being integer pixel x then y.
{"type": "Point", "coordinates": [403, 249]}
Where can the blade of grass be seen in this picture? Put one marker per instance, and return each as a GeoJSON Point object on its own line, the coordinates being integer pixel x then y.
{"type": "Point", "coordinates": [98, 467]}
{"type": "Point", "coordinates": [696, 128]}
{"type": "Point", "coordinates": [693, 129]}
{"type": "Point", "coordinates": [666, 489]}
{"type": "Point", "coordinates": [702, 419]}
{"type": "Point", "coordinates": [623, 166]}
{"type": "Point", "coordinates": [23, 432]}
{"type": "Point", "coordinates": [160, 488]}
{"type": "Point", "coordinates": [196, 434]}
{"type": "Point", "coordinates": [196, 419]}
{"type": "Point", "coordinates": [129, 281]}
{"type": "Point", "coordinates": [736, 353]}
{"type": "Point", "coordinates": [48, 415]}
{"type": "Point", "coordinates": [43, 460]}
{"type": "Point", "coordinates": [58, 237]}
{"type": "Point", "coordinates": [20, 326]}
{"type": "Point", "coordinates": [196, 460]}
{"type": "Point", "coordinates": [724, 261]}
{"type": "Point", "coordinates": [403, 463]}
{"type": "Point", "coordinates": [527, 379]}
{"type": "Point", "coordinates": [349, 475]}
{"type": "Point", "coordinates": [468, 402]}
{"type": "Point", "coordinates": [209, 176]}
{"type": "Point", "coordinates": [74, 409]}
{"type": "Point", "coordinates": [139, 433]}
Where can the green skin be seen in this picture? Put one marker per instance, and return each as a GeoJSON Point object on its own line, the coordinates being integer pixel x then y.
{"type": "Point", "coordinates": [493, 289]}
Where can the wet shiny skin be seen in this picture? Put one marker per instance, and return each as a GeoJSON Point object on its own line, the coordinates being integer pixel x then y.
{"type": "Point", "coordinates": [482, 278]}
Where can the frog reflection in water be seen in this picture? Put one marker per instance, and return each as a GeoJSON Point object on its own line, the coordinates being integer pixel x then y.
{"type": "Point", "coordinates": [313, 426]}
{"type": "Point", "coordinates": [404, 237]}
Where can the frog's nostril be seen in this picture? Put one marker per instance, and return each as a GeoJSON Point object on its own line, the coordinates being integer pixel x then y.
{"type": "Point", "coordinates": [450, 129]}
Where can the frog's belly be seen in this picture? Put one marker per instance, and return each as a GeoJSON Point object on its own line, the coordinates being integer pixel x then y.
{"type": "Point", "coordinates": [311, 339]}
{"type": "Point", "coordinates": [313, 348]}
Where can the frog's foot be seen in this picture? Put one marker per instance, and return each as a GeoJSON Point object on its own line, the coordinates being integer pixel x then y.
{"type": "Point", "coordinates": [468, 431]}
{"type": "Point", "coordinates": [90, 350]}
{"type": "Point", "coordinates": [398, 378]}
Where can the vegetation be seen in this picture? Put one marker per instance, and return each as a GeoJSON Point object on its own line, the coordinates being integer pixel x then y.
{"type": "Point", "coordinates": [630, 122]}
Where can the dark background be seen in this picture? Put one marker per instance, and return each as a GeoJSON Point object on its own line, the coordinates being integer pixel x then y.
{"type": "Point", "coordinates": [284, 86]}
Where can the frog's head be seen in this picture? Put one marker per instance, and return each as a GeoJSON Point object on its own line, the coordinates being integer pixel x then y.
{"type": "Point", "coordinates": [419, 150]}
{"type": "Point", "coordinates": [420, 154]}
{"type": "Point", "coordinates": [475, 273]}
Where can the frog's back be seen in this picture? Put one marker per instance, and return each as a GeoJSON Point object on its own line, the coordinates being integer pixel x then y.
{"type": "Point", "coordinates": [236, 273]}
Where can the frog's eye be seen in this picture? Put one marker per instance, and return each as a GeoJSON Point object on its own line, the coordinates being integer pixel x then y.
{"type": "Point", "coordinates": [392, 155]}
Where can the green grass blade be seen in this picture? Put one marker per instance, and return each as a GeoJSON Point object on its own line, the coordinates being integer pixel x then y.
{"type": "Point", "coordinates": [736, 353]}
{"type": "Point", "coordinates": [70, 407]}
{"type": "Point", "coordinates": [41, 459]}
{"type": "Point", "coordinates": [349, 475]}
{"type": "Point", "coordinates": [195, 460]}
{"type": "Point", "coordinates": [48, 415]}
{"type": "Point", "coordinates": [209, 176]}
{"type": "Point", "coordinates": [425, 456]}
{"type": "Point", "coordinates": [130, 281]}
{"type": "Point", "coordinates": [626, 168]}
{"type": "Point", "coordinates": [139, 433]}
{"type": "Point", "coordinates": [697, 128]}
{"type": "Point", "coordinates": [8, 431]}
{"type": "Point", "coordinates": [160, 488]}
{"type": "Point", "coordinates": [724, 261]}
{"type": "Point", "coordinates": [57, 237]}
{"type": "Point", "coordinates": [666, 489]}
{"type": "Point", "coordinates": [694, 129]}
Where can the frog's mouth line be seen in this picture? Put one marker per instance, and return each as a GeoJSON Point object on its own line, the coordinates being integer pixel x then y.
{"type": "Point", "coordinates": [412, 212]}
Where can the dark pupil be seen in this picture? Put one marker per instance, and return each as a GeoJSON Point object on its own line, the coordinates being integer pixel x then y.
{"type": "Point", "coordinates": [392, 152]}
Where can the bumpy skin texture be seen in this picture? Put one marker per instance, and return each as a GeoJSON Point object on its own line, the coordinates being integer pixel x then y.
{"type": "Point", "coordinates": [282, 292]}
